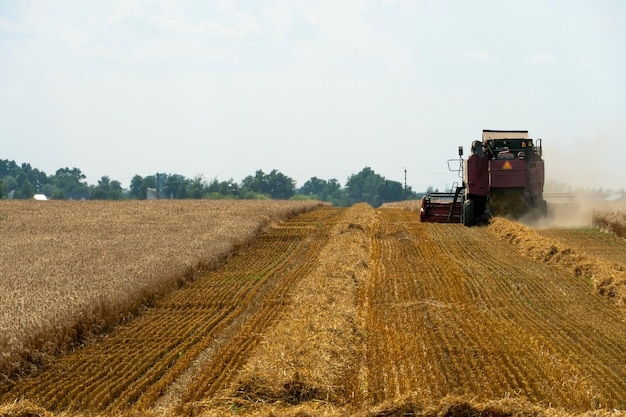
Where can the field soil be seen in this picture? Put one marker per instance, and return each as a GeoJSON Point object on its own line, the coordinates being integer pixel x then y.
{"type": "Point", "coordinates": [364, 312]}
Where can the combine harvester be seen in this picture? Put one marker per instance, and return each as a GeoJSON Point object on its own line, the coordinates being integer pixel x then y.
{"type": "Point", "coordinates": [503, 175]}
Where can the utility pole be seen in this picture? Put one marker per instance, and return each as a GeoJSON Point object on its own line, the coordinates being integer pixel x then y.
{"type": "Point", "coordinates": [405, 183]}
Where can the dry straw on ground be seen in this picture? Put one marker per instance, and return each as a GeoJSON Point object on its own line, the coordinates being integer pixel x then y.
{"type": "Point", "coordinates": [447, 407]}
{"type": "Point", "coordinates": [70, 269]}
{"type": "Point", "coordinates": [309, 353]}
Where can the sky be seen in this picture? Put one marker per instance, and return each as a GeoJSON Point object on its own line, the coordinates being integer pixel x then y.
{"type": "Point", "coordinates": [324, 88]}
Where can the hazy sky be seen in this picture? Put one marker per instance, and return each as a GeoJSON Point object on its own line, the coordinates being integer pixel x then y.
{"type": "Point", "coordinates": [311, 88]}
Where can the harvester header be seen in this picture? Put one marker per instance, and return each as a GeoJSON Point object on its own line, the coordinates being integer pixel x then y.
{"type": "Point", "coordinates": [503, 175]}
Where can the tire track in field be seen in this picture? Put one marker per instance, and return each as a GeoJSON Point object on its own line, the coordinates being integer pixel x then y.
{"type": "Point", "coordinates": [136, 363]}
{"type": "Point", "coordinates": [456, 311]}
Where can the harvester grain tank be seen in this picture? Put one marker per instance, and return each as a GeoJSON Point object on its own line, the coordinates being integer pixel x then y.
{"type": "Point", "coordinates": [503, 175]}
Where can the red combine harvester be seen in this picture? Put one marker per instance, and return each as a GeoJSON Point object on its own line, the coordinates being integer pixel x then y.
{"type": "Point", "coordinates": [504, 175]}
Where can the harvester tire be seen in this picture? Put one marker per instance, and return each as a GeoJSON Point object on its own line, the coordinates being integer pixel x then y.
{"type": "Point", "coordinates": [469, 213]}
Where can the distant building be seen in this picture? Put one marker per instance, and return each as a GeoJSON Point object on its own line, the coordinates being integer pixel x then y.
{"type": "Point", "coordinates": [40, 197]}
{"type": "Point", "coordinates": [151, 194]}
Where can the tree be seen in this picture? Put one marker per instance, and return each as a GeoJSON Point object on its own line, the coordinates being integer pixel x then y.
{"type": "Point", "coordinates": [28, 181]}
{"type": "Point", "coordinates": [23, 188]}
{"type": "Point", "coordinates": [182, 190]}
{"type": "Point", "coordinates": [256, 184]}
{"type": "Point", "coordinates": [223, 189]}
{"type": "Point", "coordinates": [197, 187]}
{"type": "Point", "coordinates": [364, 187]}
{"type": "Point", "coordinates": [8, 168]}
{"type": "Point", "coordinates": [10, 184]}
{"type": "Point", "coordinates": [175, 186]}
{"type": "Point", "coordinates": [333, 193]}
{"type": "Point", "coordinates": [69, 184]}
{"type": "Point", "coordinates": [137, 188]}
{"type": "Point", "coordinates": [391, 191]}
{"type": "Point", "coordinates": [22, 181]}
{"type": "Point", "coordinates": [280, 186]}
{"type": "Point", "coordinates": [101, 191]}
{"type": "Point", "coordinates": [373, 189]}
{"type": "Point", "coordinates": [116, 192]}
{"type": "Point", "coordinates": [275, 184]}
{"type": "Point", "coordinates": [25, 191]}
{"type": "Point", "coordinates": [324, 190]}
{"type": "Point", "coordinates": [107, 190]}
{"type": "Point", "coordinates": [313, 187]}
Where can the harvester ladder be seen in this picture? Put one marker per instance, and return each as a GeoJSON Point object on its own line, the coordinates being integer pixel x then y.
{"type": "Point", "coordinates": [456, 197]}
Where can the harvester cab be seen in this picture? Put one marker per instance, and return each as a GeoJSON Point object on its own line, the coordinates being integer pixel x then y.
{"type": "Point", "coordinates": [503, 175]}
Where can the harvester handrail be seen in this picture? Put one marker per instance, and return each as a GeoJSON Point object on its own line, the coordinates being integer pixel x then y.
{"type": "Point", "coordinates": [459, 170]}
{"type": "Point", "coordinates": [442, 194]}
{"type": "Point", "coordinates": [539, 148]}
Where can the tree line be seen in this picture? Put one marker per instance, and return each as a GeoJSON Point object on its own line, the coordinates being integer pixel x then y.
{"type": "Point", "coordinates": [23, 182]}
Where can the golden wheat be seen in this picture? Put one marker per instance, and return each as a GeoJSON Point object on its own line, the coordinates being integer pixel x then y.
{"type": "Point", "coordinates": [612, 221]}
{"type": "Point", "coordinates": [411, 205]}
{"type": "Point", "coordinates": [74, 268]}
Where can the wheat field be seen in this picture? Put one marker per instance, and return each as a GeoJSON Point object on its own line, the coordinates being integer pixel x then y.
{"type": "Point", "coordinates": [74, 268]}
{"type": "Point", "coordinates": [362, 312]}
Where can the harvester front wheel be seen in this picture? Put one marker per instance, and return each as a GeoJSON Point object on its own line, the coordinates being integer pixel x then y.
{"type": "Point", "coordinates": [469, 213]}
